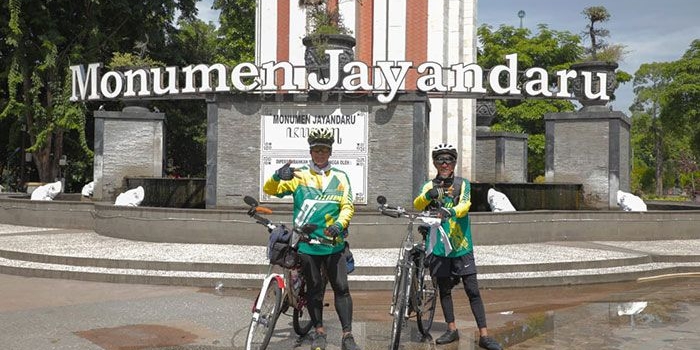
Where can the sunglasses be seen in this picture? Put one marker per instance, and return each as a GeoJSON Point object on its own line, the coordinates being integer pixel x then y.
{"type": "Point", "coordinates": [321, 150]}
{"type": "Point", "coordinates": [444, 160]}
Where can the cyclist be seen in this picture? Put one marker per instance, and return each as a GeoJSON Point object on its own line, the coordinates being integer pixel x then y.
{"type": "Point", "coordinates": [450, 249]}
{"type": "Point", "coordinates": [322, 196]}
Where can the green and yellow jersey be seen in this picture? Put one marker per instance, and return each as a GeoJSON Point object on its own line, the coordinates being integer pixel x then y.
{"type": "Point", "coordinates": [457, 227]}
{"type": "Point", "coordinates": [323, 199]}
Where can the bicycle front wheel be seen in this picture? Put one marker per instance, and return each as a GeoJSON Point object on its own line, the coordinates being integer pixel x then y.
{"type": "Point", "coordinates": [399, 309]}
{"type": "Point", "coordinates": [424, 296]}
{"type": "Point", "coordinates": [301, 320]}
{"type": "Point", "coordinates": [264, 319]}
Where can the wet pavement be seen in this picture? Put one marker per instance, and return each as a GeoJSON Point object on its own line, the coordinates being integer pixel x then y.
{"type": "Point", "coordinates": [37, 313]}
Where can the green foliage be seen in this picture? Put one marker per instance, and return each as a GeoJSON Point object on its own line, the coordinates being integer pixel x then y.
{"type": "Point", "coordinates": [681, 97]}
{"type": "Point", "coordinates": [42, 39]}
{"type": "Point", "coordinates": [642, 177]}
{"type": "Point", "coordinates": [549, 49]}
{"type": "Point", "coordinates": [324, 21]}
{"type": "Point", "coordinates": [666, 121]}
{"type": "Point", "coordinates": [122, 60]}
{"type": "Point", "coordinates": [665, 198]}
{"type": "Point", "coordinates": [599, 49]}
{"type": "Point", "coordinates": [236, 42]}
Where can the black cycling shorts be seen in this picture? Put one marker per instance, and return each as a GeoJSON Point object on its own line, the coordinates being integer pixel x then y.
{"type": "Point", "coordinates": [441, 266]}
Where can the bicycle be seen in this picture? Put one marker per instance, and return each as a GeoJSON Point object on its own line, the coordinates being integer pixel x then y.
{"type": "Point", "coordinates": [279, 291]}
{"type": "Point", "coordinates": [413, 290]}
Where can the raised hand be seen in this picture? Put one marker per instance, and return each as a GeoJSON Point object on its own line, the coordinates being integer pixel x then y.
{"type": "Point", "coordinates": [286, 172]}
{"type": "Point", "coordinates": [436, 193]}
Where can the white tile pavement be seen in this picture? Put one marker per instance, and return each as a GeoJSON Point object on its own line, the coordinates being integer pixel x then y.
{"type": "Point", "coordinates": [88, 244]}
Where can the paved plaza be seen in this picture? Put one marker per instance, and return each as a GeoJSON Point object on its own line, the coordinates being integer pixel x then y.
{"type": "Point", "coordinates": [39, 313]}
{"type": "Point", "coordinates": [162, 295]}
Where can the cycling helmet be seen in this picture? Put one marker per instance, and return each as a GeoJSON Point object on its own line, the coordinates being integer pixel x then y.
{"type": "Point", "coordinates": [321, 137]}
{"type": "Point", "coordinates": [444, 148]}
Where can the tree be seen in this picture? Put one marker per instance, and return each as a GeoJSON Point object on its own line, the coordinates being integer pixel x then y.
{"type": "Point", "coordinates": [649, 83]}
{"type": "Point", "coordinates": [669, 93]}
{"type": "Point", "coordinates": [681, 98]}
{"type": "Point", "coordinates": [236, 31]}
{"type": "Point", "coordinates": [599, 49]}
{"type": "Point", "coordinates": [44, 38]}
{"type": "Point", "coordinates": [549, 49]}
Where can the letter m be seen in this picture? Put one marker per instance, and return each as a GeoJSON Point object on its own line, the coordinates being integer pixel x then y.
{"type": "Point", "coordinates": [80, 81]}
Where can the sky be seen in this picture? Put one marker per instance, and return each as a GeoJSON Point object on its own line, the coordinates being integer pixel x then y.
{"type": "Point", "coordinates": [651, 30]}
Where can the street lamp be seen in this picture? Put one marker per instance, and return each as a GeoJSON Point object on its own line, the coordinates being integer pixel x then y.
{"type": "Point", "coordinates": [521, 15]}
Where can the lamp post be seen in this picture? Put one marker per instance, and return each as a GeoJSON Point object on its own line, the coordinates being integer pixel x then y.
{"type": "Point", "coordinates": [521, 15]}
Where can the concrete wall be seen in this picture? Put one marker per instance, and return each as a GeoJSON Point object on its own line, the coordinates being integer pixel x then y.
{"type": "Point", "coordinates": [591, 147]}
{"type": "Point", "coordinates": [397, 152]}
{"type": "Point", "coordinates": [127, 143]}
{"type": "Point", "coordinates": [56, 213]}
{"type": "Point", "coordinates": [368, 229]}
{"type": "Point", "coordinates": [501, 157]}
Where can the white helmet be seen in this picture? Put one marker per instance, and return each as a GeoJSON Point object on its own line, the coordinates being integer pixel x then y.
{"type": "Point", "coordinates": [444, 148]}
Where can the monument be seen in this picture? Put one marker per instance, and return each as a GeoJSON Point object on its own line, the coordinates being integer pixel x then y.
{"type": "Point", "coordinates": [129, 142]}
{"type": "Point", "coordinates": [592, 147]}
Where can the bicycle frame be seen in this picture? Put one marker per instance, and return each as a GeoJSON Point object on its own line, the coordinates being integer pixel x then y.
{"type": "Point", "coordinates": [408, 296]}
{"type": "Point", "coordinates": [404, 265]}
{"type": "Point", "coordinates": [286, 292]}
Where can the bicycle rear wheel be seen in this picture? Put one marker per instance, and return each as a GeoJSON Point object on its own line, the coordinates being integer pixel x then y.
{"type": "Point", "coordinates": [301, 320]}
{"type": "Point", "coordinates": [399, 307]}
{"type": "Point", "coordinates": [424, 296]}
{"type": "Point", "coordinates": [263, 323]}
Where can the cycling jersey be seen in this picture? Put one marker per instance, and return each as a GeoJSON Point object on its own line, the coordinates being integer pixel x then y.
{"type": "Point", "coordinates": [319, 198]}
{"type": "Point", "coordinates": [457, 227]}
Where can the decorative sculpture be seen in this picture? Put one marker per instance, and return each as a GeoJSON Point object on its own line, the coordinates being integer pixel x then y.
{"type": "Point", "coordinates": [47, 192]}
{"type": "Point", "coordinates": [498, 201]}
{"type": "Point", "coordinates": [88, 189]}
{"type": "Point", "coordinates": [630, 202]}
{"type": "Point", "coordinates": [130, 198]}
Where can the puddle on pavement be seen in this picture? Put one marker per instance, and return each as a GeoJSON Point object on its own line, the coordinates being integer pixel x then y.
{"type": "Point", "coordinates": [136, 337]}
{"type": "Point", "coordinates": [666, 319]}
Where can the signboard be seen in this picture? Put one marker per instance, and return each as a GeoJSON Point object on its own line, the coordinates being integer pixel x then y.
{"type": "Point", "coordinates": [284, 133]}
{"type": "Point", "coordinates": [89, 84]}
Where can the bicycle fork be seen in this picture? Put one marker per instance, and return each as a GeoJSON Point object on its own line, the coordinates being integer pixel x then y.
{"type": "Point", "coordinates": [260, 298]}
{"type": "Point", "coordinates": [405, 267]}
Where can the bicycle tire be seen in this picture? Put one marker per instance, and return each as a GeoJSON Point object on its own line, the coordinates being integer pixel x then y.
{"type": "Point", "coordinates": [399, 309]}
{"type": "Point", "coordinates": [261, 328]}
{"type": "Point", "coordinates": [301, 319]}
{"type": "Point", "coordinates": [424, 299]}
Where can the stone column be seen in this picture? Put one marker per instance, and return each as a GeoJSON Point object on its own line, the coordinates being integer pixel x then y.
{"type": "Point", "coordinates": [590, 147]}
{"type": "Point", "coordinates": [501, 157]}
{"type": "Point", "coordinates": [127, 143]}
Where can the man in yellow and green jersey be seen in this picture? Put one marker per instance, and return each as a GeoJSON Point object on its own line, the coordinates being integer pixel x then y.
{"type": "Point", "coordinates": [322, 196]}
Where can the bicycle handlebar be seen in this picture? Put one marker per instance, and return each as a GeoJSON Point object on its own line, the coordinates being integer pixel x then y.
{"type": "Point", "coordinates": [304, 231]}
{"type": "Point", "coordinates": [397, 212]}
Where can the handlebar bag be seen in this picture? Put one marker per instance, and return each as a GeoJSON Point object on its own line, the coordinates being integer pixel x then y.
{"type": "Point", "coordinates": [284, 255]}
{"type": "Point", "coordinates": [279, 251]}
